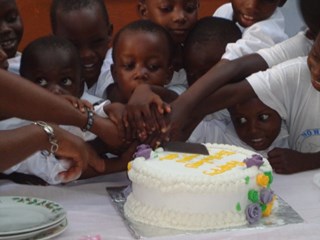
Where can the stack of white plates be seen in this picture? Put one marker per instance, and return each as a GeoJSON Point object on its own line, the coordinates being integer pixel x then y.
{"type": "Point", "coordinates": [30, 218]}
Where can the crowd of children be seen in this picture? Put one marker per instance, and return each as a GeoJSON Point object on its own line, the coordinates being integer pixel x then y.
{"type": "Point", "coordinates": [168, 76]}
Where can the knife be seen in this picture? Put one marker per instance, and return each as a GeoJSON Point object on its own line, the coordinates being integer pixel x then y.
{"type": "Point", "coordinates": [184, 147]}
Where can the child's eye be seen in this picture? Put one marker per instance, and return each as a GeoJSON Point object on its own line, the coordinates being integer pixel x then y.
{"type": "Point", "coordinates": [128, 66]}
{"type": "Point", "coordinates": [191, 7]}
{"type": "Point", "coordinates": [263, 117]}
{"type": "Point", "coordinates": [242, 120]}
{"type": "Point", "coordinates": [166, 8]}
{"type": "Point", "coordinates": [12, 17]}
{"type": "Point", "coordinates": [66, 81]}
{"type": "Point", "coordinates": [41, 82]}
{"type": "Point", "coordinates": [153, 67]}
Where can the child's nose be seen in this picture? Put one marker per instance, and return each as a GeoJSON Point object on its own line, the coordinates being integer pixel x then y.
{"type": "Point", "coordinates": [55, 89]}
{"type": "Point", "coordinates": [141, 73]}
{"type": "Point", "coordinates": [179, 16]}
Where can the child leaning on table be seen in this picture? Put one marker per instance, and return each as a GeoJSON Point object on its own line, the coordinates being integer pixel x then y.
{"type": "Point", "coordinates": [54, 63]}
{"type": "Point", "coordinates": [261, 22]}
{"type": "Point", "coordinates": [11, 31]}
{"type": "Point", "coordinates": [292, 89]}
{"type": "Point", "coordinates": [86, 24]}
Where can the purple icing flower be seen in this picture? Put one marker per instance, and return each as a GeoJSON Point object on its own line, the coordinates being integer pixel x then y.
{"type": "Point", "coordinates": [266, 195]}
{"type": "Point", "coordinates": [144, 151]}
{"type": "Point", "coordinates": [253, 213]}
{"type": "Point", "coordinates": [255, 160]}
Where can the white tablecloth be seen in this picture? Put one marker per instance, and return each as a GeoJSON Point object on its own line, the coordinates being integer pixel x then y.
{"type": "Point", "coordinates": [91, 213]}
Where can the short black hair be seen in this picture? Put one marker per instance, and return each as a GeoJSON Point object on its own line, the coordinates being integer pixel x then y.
{"type": "Point", "coordinates": [216, 29]}
{"type": "Point", "coordinates": [310, 11]}
{"type": "Point", "coordinates": [70, 5]}
{"type": "Point", "coordinates": [46, 43]}
{"type": "Point", "coordinates": [144, 26]}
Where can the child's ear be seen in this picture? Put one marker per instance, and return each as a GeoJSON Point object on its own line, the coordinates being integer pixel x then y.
{"type": "Point", "coordinates": [142, 9]}
{"type": "Point", "coordinates": [113, 72]}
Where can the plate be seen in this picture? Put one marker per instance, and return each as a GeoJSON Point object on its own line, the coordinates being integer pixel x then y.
{"type": "Point", "coordinates": [42, 234]}
{"type": "Point", "coordinates": [283, 215]}
{"type": "Point", "coordinates": [27, 214]}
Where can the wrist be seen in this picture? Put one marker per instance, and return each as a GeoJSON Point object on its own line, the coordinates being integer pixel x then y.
{"type": "Point", "coordinates": [49, 130]}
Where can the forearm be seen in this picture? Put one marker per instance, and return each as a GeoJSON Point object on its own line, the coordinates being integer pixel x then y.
{"type": "Point", "coordinates": [18, 144]}
{"type": "Point", "coordinates": [222, 73]}
{"type": "Point", "coordinates": [166, 95]}
{"type": "Point", "coordinates": [34, 103]}
{"type": "Point", "coordinates": [310, 161]}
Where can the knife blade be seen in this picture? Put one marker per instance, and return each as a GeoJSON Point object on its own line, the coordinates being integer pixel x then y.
{"type": "Point", "coordinates": [184, 147]}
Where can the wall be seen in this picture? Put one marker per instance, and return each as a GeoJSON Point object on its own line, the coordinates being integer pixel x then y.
{"type": "Point", "coordinates": [35, 15]}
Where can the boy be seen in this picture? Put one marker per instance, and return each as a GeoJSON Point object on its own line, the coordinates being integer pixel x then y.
{"type": "Point", "coordinates": [261, 23]}
{"type": "Point", "coordinates": [11, 31]}
{"type": "Point", "coordinates": [86, 24]}
{"type": "Point", "coordinates": [56, 66]}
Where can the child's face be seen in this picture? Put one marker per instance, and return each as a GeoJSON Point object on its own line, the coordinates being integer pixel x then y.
{"type": "Point", "coordinates": [88, 30]}
{"type": "Point", "coordinates": [141, 57]}
{"type": "Point", "coordinates": [248, 12]}
{"type": "Point", "coordinates": [255, 123]}
{"type": "Point", "coordinates": [57, 71]}
{"type": "Point", "coordinates": [11, 28]}
{"type": "Point", "coordinates": [314, 64]}
{"type": "Point", "coordinates": [177, 16]}
{"type": "Point", "coordinates": [199, 58]}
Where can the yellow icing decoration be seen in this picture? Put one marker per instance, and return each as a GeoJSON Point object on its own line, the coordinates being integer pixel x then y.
{"type": "Point", "coordinates": [262, 180]}
{"type": "Point", "coordinates": [170, 156]}
{"type": "Point", "coordinates": [268, 210]}
{"type": "Point", "coordinates": [188, 157]}
{"type": "Point", "coordinates": [129, 165]}
{"type": "Point", "coordinates": [209, 159]}
{"type": "Point", "coordinates": [224, 168]}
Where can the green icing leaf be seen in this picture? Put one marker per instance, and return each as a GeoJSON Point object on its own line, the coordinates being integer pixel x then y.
{"type": "Point", "coordinates": [263, 207]}
{"type": "Point", "coordinates": [247, 179]}
{"type": "Point", "coordinates": [269, 174]}
{"type": "Point", "coordinates": [238, 207]}
{"type": "Point", "coordinates": [253, 196]}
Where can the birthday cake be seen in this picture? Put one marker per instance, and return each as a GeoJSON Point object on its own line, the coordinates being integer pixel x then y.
{"type": "Point", "coordinates": [229, 187]}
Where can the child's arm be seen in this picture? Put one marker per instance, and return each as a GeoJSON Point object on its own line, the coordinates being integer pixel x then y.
{"type": "Point", "coordinates": [287, 161]}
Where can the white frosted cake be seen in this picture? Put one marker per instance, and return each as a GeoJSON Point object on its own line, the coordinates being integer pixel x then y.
{"type": "Point", "coordinates": [229, 187]}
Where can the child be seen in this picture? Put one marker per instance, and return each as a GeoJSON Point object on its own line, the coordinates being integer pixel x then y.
{"type": "Point", "coordinates": [11, 31]}
{"type": "Point", "coordinates": [262, 25]}
{"type": "Point", "coordinates": [86, 24]}
{"type": "Point", "coordinates": [142, 53]}
{"type": "Point", "coordinates": [178, 17]}
{"type": "Point", "coordinates": [3, 59]}
{"type": "Point", "coordinates": [292, 89]}
{"type": "Point", "coordinates": [206, 44]}
{"type": "Point", "coordinates": [56, 66]}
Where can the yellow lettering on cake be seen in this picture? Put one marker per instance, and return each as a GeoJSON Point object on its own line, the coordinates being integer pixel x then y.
{"type": "Point", "coordinates": [170, 156]}
{"type": "Point", "coordinates": [209, 159]}
{"type": "Point", "coordinates": [188, 158]}
{"type": "Point", "coordinates": [224, 168]}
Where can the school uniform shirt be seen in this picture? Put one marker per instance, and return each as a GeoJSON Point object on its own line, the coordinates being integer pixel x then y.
{"type": "Point", "coordinates": [296, 46]}
{"type": "Point", "coordinates": [287, 89]}
{"type": "Point", "coordinates": [14, 64]}
{"type": "Point", "coordinates": [260, 35]}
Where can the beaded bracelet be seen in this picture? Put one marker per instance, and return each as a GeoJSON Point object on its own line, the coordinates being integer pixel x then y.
{"type": "Point", "coordinates": [89, 121]}
{"type": "Point", "coordinates": [52, 138]}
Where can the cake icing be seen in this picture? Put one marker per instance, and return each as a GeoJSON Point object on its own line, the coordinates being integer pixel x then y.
{"type": "Point", "coordinates": [229, 187]}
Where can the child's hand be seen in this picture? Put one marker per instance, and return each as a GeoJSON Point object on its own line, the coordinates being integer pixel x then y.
{"type": "Point", "coordinates": [139, 114]}
{"type": "Point", "coordinates": [80, 104]}
{"type": "Point", "coordinates": [115, 113]}
{"type": "Point", "coordinates": [287, 161]}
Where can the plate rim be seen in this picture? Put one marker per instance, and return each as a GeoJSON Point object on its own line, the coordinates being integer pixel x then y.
{"type": "Point", "coordinates": [62, 213]}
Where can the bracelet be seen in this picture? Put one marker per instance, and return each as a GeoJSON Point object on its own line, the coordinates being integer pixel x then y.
{"type": "Point", "coordinates": [89, 121]}
{"type": "Point", "coordinates": [52, 138]}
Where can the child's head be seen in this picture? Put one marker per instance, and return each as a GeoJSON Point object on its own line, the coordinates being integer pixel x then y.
{"type": "Point", "coordinates": [248, 12]}
{"type": "Point", "coordinates": [255, 123]}
{"type": "Point", "coordinates": [310, 11]}
{"type": "Point", "coordinates": [86, 24]}
{"type": "Point", "coordinates": [206, 44]}
{"type": "Point", "coordinates": [53, 63]}
{"type": "Point", "coordinates": [11, 27]}
{"type": "Point", "coordinates": [177, 16]}
{"type": "Point", "coordinates": [314, 63]}
{"type": "Point", "coordinates": [142, 53]}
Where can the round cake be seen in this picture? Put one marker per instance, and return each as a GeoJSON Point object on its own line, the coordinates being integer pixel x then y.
{"type": "Point", "coordinates": [229, 187]}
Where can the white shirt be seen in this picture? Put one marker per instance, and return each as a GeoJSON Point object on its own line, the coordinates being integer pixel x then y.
{"type": "Point", "coordinates": [287, 89]}
{"type": "Point", "coordinates": [14, 64]}
{"type": "Point", "coordinates": [262, 34]}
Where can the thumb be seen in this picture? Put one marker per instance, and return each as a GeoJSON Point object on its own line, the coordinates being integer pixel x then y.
{"type": "Point", "coordinates": [97, 163]}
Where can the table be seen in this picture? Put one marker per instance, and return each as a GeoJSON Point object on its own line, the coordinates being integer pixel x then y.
{"type": "Point", "coordinates": [91, 213]}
